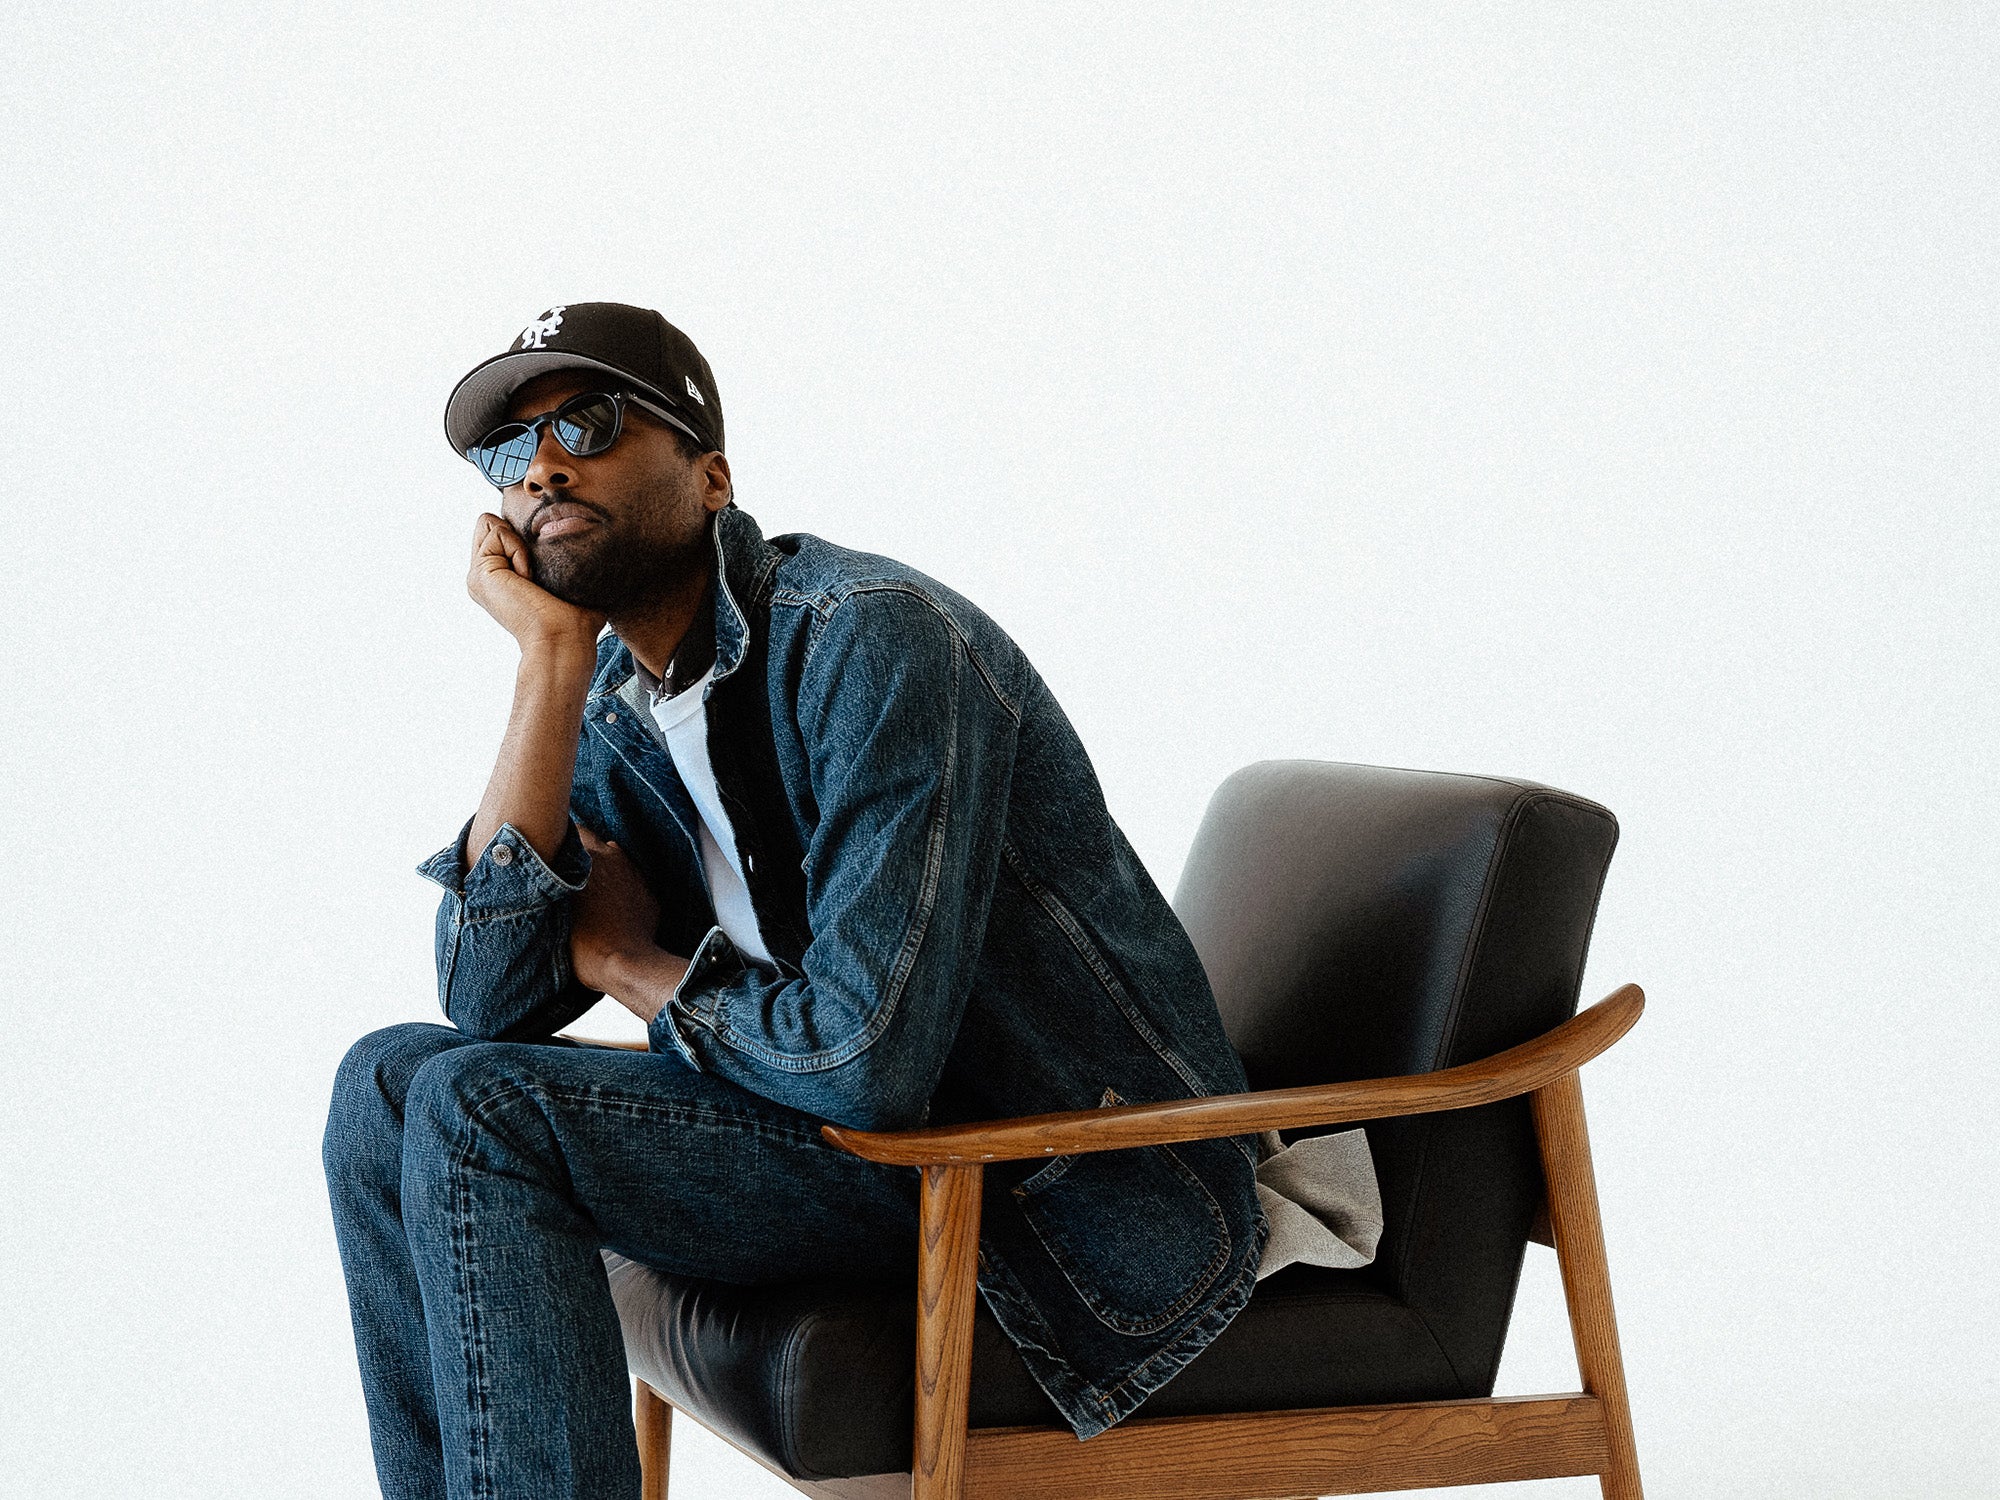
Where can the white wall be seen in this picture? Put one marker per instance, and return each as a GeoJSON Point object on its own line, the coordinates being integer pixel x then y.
{"type": "Point", "coordinates": [1603, 395]}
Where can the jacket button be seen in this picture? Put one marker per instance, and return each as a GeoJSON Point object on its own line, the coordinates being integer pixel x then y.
{"type": "Point", "coordinates": [502, 855]}
{"type": "Point", "coordinates": [749, 864]}
{"type": "Point", "coordinates": [611, 718]}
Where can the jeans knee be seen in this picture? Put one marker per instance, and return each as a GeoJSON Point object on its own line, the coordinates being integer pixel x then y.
{"type": "Point", "coordinates": [447, 1086]}
{"type": "Point", "coordinates": [364, 1120]}
{"type": "Point", "coordinates": [486, 1093]}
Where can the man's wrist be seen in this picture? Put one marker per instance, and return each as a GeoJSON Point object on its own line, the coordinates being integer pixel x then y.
{"type": "Point", "coordinates": [561, 657]}
{"type": "Point", "coordinates": [643, 980]}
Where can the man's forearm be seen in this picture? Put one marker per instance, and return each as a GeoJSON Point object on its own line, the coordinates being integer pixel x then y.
{"type": "Point", "coordinates": [531, 779]}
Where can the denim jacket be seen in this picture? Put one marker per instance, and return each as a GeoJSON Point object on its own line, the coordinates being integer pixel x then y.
{"type": "Point", "coordinates": [961, 932]}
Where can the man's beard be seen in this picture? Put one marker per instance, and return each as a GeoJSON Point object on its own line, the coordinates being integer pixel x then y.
{"type": "Point", "coordinates": [609, 569]}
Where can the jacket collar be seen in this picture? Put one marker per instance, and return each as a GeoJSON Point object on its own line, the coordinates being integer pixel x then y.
{"type": "Point", "coordinates": [744, 563]}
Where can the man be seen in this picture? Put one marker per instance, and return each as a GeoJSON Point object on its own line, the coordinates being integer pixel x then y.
{"type": "Point", "coordinates": [816, 820]}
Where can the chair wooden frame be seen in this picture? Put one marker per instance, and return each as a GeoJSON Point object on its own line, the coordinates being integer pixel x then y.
{"type": "Point", "coordinates": [1256, 1455]}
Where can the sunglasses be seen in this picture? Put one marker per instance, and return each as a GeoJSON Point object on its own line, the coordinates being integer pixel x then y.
{"type": "Point", "coordinates": [585, 425]}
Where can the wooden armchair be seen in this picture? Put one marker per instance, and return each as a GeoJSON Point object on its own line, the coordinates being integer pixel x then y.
{"type": "Point", "coordinates": [1347, 915]}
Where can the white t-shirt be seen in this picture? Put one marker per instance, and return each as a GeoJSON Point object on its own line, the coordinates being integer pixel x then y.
{"type": "Point", "coordinates": [683, 721]}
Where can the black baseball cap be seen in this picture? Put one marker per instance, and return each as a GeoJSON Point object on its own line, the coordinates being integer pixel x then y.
{"type": "Point", "coordinates": [635, 344]}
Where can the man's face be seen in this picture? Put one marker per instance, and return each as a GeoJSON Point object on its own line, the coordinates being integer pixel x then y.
{"type": "Point", "coordinates": [623, 528]}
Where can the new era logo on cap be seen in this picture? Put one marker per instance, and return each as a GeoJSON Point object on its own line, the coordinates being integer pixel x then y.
{"type": "Point", "coordinates": [693, 389]}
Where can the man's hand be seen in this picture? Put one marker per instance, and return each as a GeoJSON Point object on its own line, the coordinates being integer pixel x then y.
{"type": "Point", "coordinates": [501, 582]}
{"type": "Point", "coordinates": [611, 933]}
{"type": "Point", "coordinates": [531, 780]}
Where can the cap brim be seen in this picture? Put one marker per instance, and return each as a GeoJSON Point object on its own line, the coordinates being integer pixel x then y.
{"type": "Point", "coordinates": [478, 403]}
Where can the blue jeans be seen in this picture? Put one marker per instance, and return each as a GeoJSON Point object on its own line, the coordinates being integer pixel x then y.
{"type": "Point", "coordinates": [473, 1184]}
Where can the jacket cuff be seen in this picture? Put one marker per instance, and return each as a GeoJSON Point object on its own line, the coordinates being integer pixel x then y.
{"type": "Point", "coordinates": [509, 877]}
{"type": "Point", "coordinates": [697, 999]}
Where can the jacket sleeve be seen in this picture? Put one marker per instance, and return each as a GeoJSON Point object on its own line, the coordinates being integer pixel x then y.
{"type": "Point", "coordinates": [911, 752]}
{"type": "Point", "coordinates": [503, 930]}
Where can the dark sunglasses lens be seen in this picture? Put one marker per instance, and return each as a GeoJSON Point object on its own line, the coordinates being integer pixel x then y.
{"type": "Point", "coordinates": [588, 426]}
{"type": "Point", "coordinates": [505, 455]}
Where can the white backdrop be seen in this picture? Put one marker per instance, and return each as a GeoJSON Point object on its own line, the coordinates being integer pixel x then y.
{"type": "Point", "coordinates": [1602, 395]}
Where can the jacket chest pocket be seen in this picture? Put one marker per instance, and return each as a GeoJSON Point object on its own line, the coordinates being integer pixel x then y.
{"type": "Point", "coordinates": [1135, 1232]}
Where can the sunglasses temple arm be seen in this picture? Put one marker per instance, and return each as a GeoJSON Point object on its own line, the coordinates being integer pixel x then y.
{"type": "Point", "coordinates": [666, 416]}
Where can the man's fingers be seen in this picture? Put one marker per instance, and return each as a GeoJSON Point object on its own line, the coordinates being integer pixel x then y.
{"type": "Point", "coordinates": [517, 553]}
{"type": "Point", "coordinates": [498, 548]}
{"type": "Point", "coordinates": [494, 534]}
{"type": "Point", "coordinates": [498, 539]}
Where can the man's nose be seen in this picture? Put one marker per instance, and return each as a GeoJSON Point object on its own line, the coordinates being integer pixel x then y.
{"type": "Point", "coordinates": [554, 467]}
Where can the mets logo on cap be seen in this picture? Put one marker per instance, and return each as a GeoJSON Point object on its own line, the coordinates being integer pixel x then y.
{"type": "Point", "coordinates": [542, 328]}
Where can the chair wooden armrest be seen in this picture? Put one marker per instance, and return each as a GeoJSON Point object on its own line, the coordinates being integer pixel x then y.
{"type": "Point", "coordinates": [1518, 1070]}
{"type": "Point", "coordinates": [1577, 1433]}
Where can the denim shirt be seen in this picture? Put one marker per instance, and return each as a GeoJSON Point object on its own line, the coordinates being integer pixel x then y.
{"type": "Point", "coordinates": [960, 932]}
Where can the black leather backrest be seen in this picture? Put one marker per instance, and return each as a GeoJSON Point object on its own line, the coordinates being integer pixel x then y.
{"type": "Point", "coordinates": [1362, 922]}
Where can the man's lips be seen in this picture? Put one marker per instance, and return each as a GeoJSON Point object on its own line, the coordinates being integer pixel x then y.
{"type": "Point", "coordinates": [561, 518]}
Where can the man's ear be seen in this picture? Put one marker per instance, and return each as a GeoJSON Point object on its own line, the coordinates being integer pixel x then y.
{"type": "Point", "coordinates": [718, 489]}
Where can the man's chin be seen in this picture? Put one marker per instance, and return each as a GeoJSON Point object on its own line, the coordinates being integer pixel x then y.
{"type": "Point", "coordinates": [595, 578]}
{"type": "Point", "coordinates": [585, 594]}
{"type": "Point", "coordinates": [566, 569]}
{"type": "Point", "coordinates": [582, 590]}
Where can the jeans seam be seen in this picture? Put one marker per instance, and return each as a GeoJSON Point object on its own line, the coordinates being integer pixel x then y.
{"type": "Point", "coordinates": [478, 1397]}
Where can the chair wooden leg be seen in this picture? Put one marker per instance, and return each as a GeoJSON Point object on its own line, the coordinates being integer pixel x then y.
{"type": "Point", "coordinates": [947, 1279]}
{"type": "Point", "coordinates": [654, 1419]}
{"type": "Point", "coordinates": [1579, 1237]}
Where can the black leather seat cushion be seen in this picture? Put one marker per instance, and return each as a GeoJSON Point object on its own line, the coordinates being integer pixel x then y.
{"type": "Point", "coordinates": [817, 1378]}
